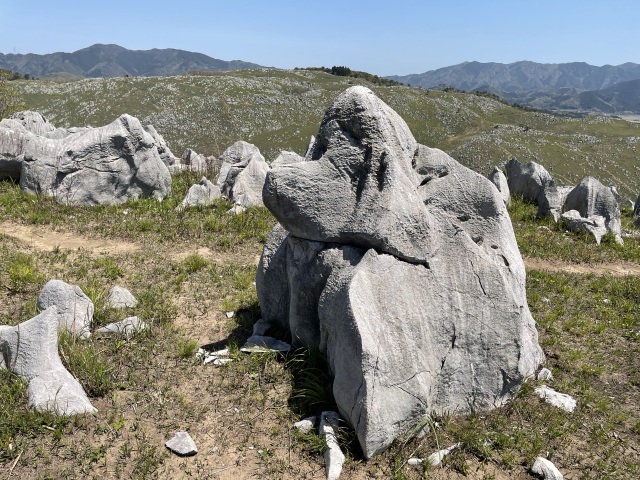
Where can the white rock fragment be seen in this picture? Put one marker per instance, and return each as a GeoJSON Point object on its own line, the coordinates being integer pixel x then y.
{"type": "Point", "coordinates": [237, 209]}
{"type": "Point", "coordinates": [128, 326]}
{"type": "Point", "coordinates": [182, 444]}
{"type": "Point", "coordinates": [259, 343]}
{"type": "Point", "coordinates": [306, 424]}
{"type": "Point", "coordinates": [414, 461]}
{"type": "Point", "coordinates": [218, 358]}
{"type": "Point", "coordinates": [436, 458]}
{"type": "Point", "coordinates": [333, 456]}
{"type": "Point", "coordinates": [557, 399]}
{"type": "Point", "coordinates": [120, 297]}
{"type": "Point", "coordinates": [546, 469]}
{"type": "Point", "coordinates": [218, 362]}
{"type": "Point", "coordinates": [545, 375]}
{"type": "Point", "coordinates": [230, 314]}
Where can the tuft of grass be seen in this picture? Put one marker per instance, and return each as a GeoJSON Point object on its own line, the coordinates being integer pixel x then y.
{"type": "Point", "coordinates": [24, 276]}
{"type": "Point", "coordinates": [87, 363]}
{"type": "Point", "coordinates": [186, 348]}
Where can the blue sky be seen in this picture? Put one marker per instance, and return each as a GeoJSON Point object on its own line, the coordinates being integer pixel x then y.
{"type": "Point", "coordinates": [382, 37]}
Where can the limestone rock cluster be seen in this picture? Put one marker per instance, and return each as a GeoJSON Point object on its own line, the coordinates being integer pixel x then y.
{"type": "Point", "coordinates": [402, 267]}
{"type": "Point", "coordinates": [589, 205]}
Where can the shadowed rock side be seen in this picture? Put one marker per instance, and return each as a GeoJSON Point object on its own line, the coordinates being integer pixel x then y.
{"type": "Point", "coordinates": [401, 265]}
{"type": "Point", "coordinates": [527, 179]}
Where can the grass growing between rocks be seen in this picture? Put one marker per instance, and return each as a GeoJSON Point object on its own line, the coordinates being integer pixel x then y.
{"type": "Point", "coordinates": [188, 269]}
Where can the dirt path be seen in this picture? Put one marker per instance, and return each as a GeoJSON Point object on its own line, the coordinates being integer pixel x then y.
{"type": "Point", "coordinates": [42, 237]}
{"type": "Point", "coordinates": [615, 268]}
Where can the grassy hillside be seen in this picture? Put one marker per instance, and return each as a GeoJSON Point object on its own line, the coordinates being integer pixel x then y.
{"type": "Point", "coordinates": [280, 110]}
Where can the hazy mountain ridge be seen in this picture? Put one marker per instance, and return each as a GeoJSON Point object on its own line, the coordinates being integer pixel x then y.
{"type": "Point", "coordinates": [115, 61]}
{"type": "Point", "coordinates": [564, 86]}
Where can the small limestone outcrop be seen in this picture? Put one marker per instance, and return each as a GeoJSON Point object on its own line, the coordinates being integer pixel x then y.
{"type": "Point", "coordinates": [182, 444]}
{"type": "Point", "coordinates": [500, 181]}
{"type": "Point", "coordinates": [74, 308]}
{"type": "Point", "coordinates": [551, 200]}
{"type": "Point", "coordinates": [30, 350]}
{"type": "Point", "coordinates": [110, 164]}
{"type": "Point", "coordinates": [286, 158]}
{"type": "Point", "coordinates": [128, 326]}
{"type": "Point", "coordinates": [166, 155]}
{"type": "Point", "coordinates": [592, 199]}
{"type": "Point", "coordinates": [120, 297]}
{"type": "Point", "coordinates": [574, 222]}
{"type": "Point", "coordinates": [195, 162]}
{"type": "Point", "coordinates": [200, 194]}
{"type": "Point", "coordinates": [402, 267]}
{"type": "Point", "coordinates": [546, 469]}
{"type": "Point", "coordinates": [33, 122]}
{"type": "Point", "coordinates": [242, 174]}
{"type": "Point", "coordinates": [527, 179]}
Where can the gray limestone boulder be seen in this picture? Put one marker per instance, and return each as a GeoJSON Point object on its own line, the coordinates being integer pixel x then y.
{"type": "Point", "coordinates": [30, 350]}
{"type": "Point", "coordinates": [33, 122]}
{"type": "Point", "coordinates": [105, 165]}
{"type": "Point", "coordinates": [591, 199]}
{"type": "Point", "coordinates": [402, 267]}
{"type": "Point", "coordinates": [200, 194]}
{"type": "Point", "coordinates": [120, 297]}
{"type": "Point", "coordinates": [74, 308]}
{"type": "Point", "coordinates": [498, 178]}
{"type": "Point", "coordinates": [287, 158]}
{"type": "Point", "coordinates": [551, 200]}
{"type": "Point", "coordinates": [527, 179]}
{"type": "Point", "coordinates": [242, 174]}
{"type": "Point", "coordinates": [166, 155]}
{"type": "Point", "coordinates": [193, 161]}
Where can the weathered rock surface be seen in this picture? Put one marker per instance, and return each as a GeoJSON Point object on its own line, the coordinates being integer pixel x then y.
{"type": "Point", "coordinates": [110, 164]}
{"type": "Point", "coordinates": [182, 444]}
{"type": "Point", "coordinates": [120, 297]}
{"type": "Point", "coordinates": [200, 194]}
{"type": "Point", "coordinates": [242, 174]}
{"type": "Point", "coordinates": [546, 469]}
{"type": "Point", "coordinates": [636, 212]}
{"type": "Point", "coordinates": [74, 308]}
{"type": "Point", "coordinates": [590, 198]}
{"type": "Point", "coordinates": [128, 326]}
{"type": "Point", "coordinates": [286, 158]}
{"type": "Point", "coordinates": [193, 161]}
{"type": "Point", "coordinates": [309, 150]}
{"type": "Point", "coordinates": [551, 200]}
{"type": "Point", "coordinates": [165, 153]}
{"type": "Point", "coordinates": [401, 265]}
{"type": "Point", "coordinates": [498, 178]}
{"type": "Point", "coordinates": [527, 179]}
{"type": "Point", "coordinates": [30, 350]}
{"type": "Point", "coordinates": [33, 122]}
{"type": "Point", "coordinates": [574, 222]}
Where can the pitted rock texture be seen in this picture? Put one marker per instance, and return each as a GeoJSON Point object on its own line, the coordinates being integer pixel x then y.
{"type": "Point", "coordinates": [74, 308]}
{"type": "Point", "coordinates": [401, 265]}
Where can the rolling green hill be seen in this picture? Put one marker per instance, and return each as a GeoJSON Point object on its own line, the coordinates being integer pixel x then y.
{"type": "Point", "coordinates": [280, 110]}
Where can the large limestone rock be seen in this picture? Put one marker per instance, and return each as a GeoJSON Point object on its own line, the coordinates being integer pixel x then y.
{"type": "Point", "coordinates": [33, 122]}
{"type": "Point", "coordinates": [74, 308]}
{"type": "Point", "coordinates": [110, 164]}
{"type": "Point", "coordinates": [591, 199]}
{"type": "Point", "coordinates": [498, 178]}
{"type": "Point", "coordinates": [30, 350]}
{"type": "Point", "coordinates": [401, 265]}
{"type": "Point", "coordinates": [242, 174]}
{"type": "Point", "coordinates": [527, 179]}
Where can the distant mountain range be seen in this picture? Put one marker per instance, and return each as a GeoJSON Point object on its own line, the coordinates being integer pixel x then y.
{"type": "Point", "coordinates": [115, 61]}
{"type": "Point", "coordinates": [574, 86]}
